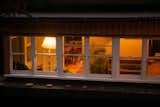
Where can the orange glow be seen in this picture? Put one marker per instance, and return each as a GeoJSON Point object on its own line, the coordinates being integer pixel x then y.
{"type": "Point", "coordinates": [49, 42]}
{"type": "Point", "coordinates": [130, 47]}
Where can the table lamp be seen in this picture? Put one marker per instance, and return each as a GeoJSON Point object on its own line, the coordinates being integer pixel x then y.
{"type": "Point", "coordinates": [49, 43]}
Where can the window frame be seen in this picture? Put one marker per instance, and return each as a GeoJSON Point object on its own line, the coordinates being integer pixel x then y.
{"type": "Point", "coordinates": [88, 54]}
{"type": "Point", "coordinates": [37, 72]}
{"type": "Point", "coordinates": [79, 55]}
{"type": "Point", "coordinates": [11, 54]}
{"type": "Point", "coordinates": [131, 76]}
{"type": "Point", "coordinates": [151, 57]}
{"type": "Point", "coordinates": [115, 73]}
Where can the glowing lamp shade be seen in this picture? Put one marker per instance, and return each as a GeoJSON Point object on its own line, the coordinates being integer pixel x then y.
{"type": "Point", "coordinates": [49, 43]}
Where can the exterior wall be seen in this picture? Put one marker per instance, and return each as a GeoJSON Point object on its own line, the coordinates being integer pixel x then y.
{"type": "Point", "coordinates": [4, 54]}
{"type": "Point", "coordinates": [81, 27]}
{"type": "Point", "coordinates": [1, 56]}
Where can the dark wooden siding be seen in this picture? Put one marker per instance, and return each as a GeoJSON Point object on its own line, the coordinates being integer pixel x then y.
{"type": "Point", "coordinates": [81, 27]}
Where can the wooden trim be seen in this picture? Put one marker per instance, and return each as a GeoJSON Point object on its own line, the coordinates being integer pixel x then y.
{"type": "Point", "coordinates": [6, 54]}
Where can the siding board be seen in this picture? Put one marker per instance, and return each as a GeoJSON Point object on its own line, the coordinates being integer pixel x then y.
{"type": "Point", "coordinates": [110, 28]}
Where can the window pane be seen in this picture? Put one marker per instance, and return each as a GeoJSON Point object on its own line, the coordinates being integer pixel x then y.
{"type": "Point", "coordinates": [73, 64]}
{"type": "Point", "coordinates": [45, 44]}
{"type": "Point", "coordinates": [78, 40]}
{"type": "Point", "coordinates": [100, 41]}
{"type": "Point", "coordinates": [130, 47]}
{"type": "Point", "coordinates": [100, 50]}
{"type": "Point", "coordinates": [46, 63]}
{"type": "Point", "coordinates": [73, 45]}
{"type": "Point", "coordinates": [100, 45]}
{"type": "Point", "coordinates": [73, 50]}
{"type": "Point", "coordinates": [130, 66]}
{"type": "Point", "coordinates": [154, 48]}
{"type": "Point", "coordinates": [21, 62]}
{"type": "Point", "coordinates": [153, 67]}
{"type": "Point", "coordinates": [100, 65]}
{"type": "Point", "coordinates": [21, 44]}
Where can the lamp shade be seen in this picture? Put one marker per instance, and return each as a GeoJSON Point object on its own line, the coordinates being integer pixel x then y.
{"type": "Point", "coordinates": [49, 43]}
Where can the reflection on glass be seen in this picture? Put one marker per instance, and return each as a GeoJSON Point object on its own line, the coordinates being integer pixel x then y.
{"type": "Point", "coordinates": [45, 44]}
{"type": "Point", "coordinates": [130, 66]}
{"type": "Point", "coordinates": [21, 63]}
{"type": "Point", "coordinates": [46, 63]}
{"type": "Point", "coordinates": [73, 64]}
{"type": "Point", "coordinates": [153, 67]}
{"type": "Point", "coordinates": [21, 44]}
{"type": "Point", "coordinates": [100, 65]}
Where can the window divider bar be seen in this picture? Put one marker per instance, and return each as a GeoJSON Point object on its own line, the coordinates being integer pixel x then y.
{"type": "Point", "coordinates": [11, 55]}
{"type": "Point", "coordinates": [33, 55]}
{"type": "Point", "coordinates": [73, 54]}
{"type": "Point", "coordinates": [86, 55]}
{"type": "Point", "coordinates": [144, 58]}
{"type": "Point", "coordinates": [59, 53]}
{"type": "Point", "coordinates": [46, 54]}
{"type": "Point", "coordinates": [116, 57]}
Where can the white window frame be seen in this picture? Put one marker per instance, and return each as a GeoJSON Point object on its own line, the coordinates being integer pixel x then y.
{"type": "Point", "coordinates": [79, 55]}
{"type": "Point", "coordinates": [150, 57]}
{"type": "Point", "coordinates": [115, 73]}
{"type": "Point", "coordinates": [12, 71]}
{"type": "Point", "coordinates": [131, 76]}
{"type": "Point", "coordinates": [38, 72]}
{"type": "Point", "coordinates": [88, 54]}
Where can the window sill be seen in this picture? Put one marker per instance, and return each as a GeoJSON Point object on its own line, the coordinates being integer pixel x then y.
{"type": "Point", "coordinates": [122, 78]}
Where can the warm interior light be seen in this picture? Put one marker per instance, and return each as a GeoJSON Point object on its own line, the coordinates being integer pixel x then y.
{"type": "Point", "coordinates": [49, 43]}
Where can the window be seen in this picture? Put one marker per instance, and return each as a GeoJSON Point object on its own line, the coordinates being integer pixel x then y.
{"type": "Point", "coordinates": [86, 56]}
{"type": "Point", "coordinates": [153, 60]}
{"type": "Point", "coordinates": [20, 54]}
{"type": "Point", "coordinates": [130, 56]}
{"type": "Point", "coordinates": [45, 54]}
{"type": "Point", "coordinates": [100, 55]}
{"type": "Point", "coordinates": [73, 54]}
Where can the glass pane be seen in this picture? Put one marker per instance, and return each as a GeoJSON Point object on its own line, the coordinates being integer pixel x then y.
{"type": "Point", "coordinates": [153, 67]}
{"type": "Point", "coordinates": [45, 44]}
{"type": "Point", "coordinates": [100, 65]}
{"type": "Point", "coordinates": [21, 62]}
{"type": "Point", "coordinates": [21, 44]}
{"type": "Point", "coordinates": [73, 50]}
{"type": "Point", "coordinates": [73, 64]}
{"type": "Point", "coordinates": [130, 47]}
{"type": "Point", "coordinates": [74, 40]}
{"type": "Point", "coordinates": [100, 41]}
{"type": "Point", "coordinates": [130, 66]}
{"type": "Point", "coordinates": [46, 63]}
{"type": "Point", "coordinates": [100, 50]}
{"type": "Point", "coordinates": [154, 48]}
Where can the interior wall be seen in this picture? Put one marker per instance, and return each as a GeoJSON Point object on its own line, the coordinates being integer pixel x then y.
{"type": "Point", "coordinates": [102, 41]}
{"type": "Point", "coordinates": [130, 47]}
